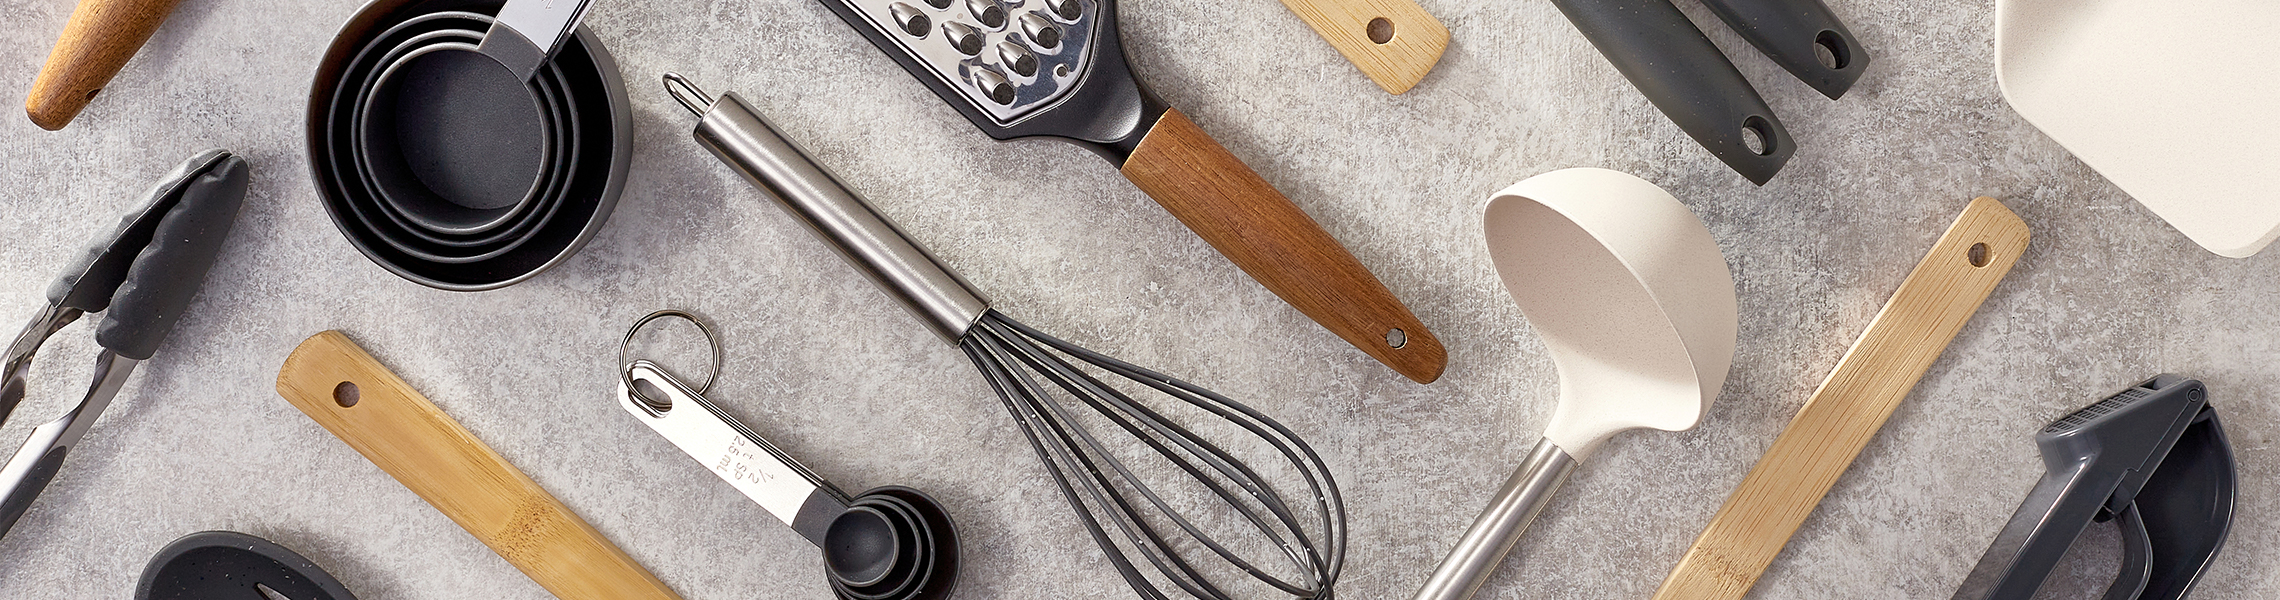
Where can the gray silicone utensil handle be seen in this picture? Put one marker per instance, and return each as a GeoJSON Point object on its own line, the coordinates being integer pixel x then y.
{"type": "Point", "coordinates": [1499, 526]}
{"type": "Point", "coordinates": [1684, 75]}
{"type": "Point", "coordinates": [166, 275]}
{"type": "Point", "coordinates": [1794, 33]}
{"type": "Point", "coordinates": [901, 267]}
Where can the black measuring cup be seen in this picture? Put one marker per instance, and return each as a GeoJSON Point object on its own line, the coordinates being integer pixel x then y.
{"type": "Point", "coordinates": [889, 543]}
{"type": "Point", "coordinates": [379, 162]}
{"type": "Point", "coordinates": [476, 164]}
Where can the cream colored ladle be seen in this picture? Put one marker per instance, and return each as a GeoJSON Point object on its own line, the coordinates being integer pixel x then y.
{"type": "Point", "coordinates": [1635, 305]}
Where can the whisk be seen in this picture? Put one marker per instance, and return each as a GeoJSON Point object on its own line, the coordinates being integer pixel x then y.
{"type": "Point", "coordinates": [1028, 371]}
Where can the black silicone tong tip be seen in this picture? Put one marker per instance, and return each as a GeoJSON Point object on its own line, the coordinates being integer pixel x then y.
{"type": "Point", "coordinates": [1685, 76]}
{"type": "Point", "coordinates": [144, 274]}
{"type": "Point", "coordinates": [1803, 36]}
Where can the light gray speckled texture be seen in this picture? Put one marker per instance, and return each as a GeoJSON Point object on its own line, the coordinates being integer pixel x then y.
{"type": "Point", "coordinates": [819, 361]}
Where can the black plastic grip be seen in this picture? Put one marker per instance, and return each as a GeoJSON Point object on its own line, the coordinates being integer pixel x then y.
{"type": "Point", "coordinates": [166, 275]}
{"type": "Point", "coordinates": [1795, 34]}
{"type": "Point", "coordinates": [20, 499]}
{"type": "Point", "coordinates": [1684, 75]}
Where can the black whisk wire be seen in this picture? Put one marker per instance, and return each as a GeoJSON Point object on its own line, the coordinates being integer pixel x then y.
{"type": "Point", "coordinates": [1073, 456]}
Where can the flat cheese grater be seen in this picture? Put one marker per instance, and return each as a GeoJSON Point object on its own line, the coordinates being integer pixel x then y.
{"type": "Point", "coordinates": [1056, 68]}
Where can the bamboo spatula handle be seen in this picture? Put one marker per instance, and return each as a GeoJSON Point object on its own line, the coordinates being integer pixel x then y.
{"type": "Point", "coordinates": [356, 398]}
{"type": "Point", "coordinates": [1868, 383]}
{"type": "Point", "coordinates": [1246, 219]}
{"type": "Point", "coordinates": [1394, 42]}
{"type": "Point", "coordinates": [100, 37]}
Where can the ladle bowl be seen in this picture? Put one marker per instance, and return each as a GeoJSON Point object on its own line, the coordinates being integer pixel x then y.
{"type": "Point", "coordinates": [1636, 307]}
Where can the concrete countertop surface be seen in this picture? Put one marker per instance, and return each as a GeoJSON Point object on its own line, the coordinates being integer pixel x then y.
{"type": "Point", "coordinates": [834, 373]}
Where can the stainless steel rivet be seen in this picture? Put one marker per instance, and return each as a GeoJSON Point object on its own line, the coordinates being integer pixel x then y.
{"type": "Point", "coordinates": [910, 19]}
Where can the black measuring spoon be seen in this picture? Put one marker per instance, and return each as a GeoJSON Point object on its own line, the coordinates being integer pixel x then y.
{"type": "Point", "coordinates": [889, 543]}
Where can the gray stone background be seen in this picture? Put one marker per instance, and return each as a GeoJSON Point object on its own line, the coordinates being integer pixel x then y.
{"type": "Point", "coordinates": [830, 370]}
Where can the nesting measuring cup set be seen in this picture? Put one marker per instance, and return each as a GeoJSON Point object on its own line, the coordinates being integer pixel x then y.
{"type": "Point", "coordinates": [466, 144]}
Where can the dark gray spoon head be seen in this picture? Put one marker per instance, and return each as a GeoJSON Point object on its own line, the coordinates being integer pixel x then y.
{"type": "Point", "coordinates": [893, 543]}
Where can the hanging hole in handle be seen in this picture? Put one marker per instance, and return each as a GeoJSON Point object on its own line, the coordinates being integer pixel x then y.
{"type": "Point", "coordinates": [1757, 136]}
{"type": "Point", "coordinates": [1396, 338]}
{"type": "Point", "coordinates": [91, 94]}
{"type": "Point", "coordinates": [652, 397]}
{"type": "Point", "coordinates": [1977, 254]}
{"type": "Point", "coordinates": [346, 394]}
{"type": "Point", "coordinates": [1380, 30]}
{"type": "Point", "coordinates": [1831, 50]}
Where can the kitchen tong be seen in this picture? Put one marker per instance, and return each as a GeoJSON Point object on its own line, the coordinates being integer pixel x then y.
{"type": "Point", "coordinates": [141, 278]}
{"type": "Point", "coordinates": [2152, 458]}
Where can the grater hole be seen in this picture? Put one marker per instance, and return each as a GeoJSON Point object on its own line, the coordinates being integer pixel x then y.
{"type": "Point", "coordinates": [1380, 30]}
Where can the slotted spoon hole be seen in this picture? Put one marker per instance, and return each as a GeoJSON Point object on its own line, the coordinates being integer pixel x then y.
{"type": "Point", "coordinates": [1830, 49]}
{"type": "Point", "coordinates": [1380, 30]}
{"type": "Point", "coordinates": [1977, 254]}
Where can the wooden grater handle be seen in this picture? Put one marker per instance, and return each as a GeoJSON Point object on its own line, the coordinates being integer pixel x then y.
{"type": "Point", "coordinates": [1251, 223]}
{"type": "Point", "coordinates": [1394, 42]}
{"type": "Point", "coordinates": [100, 37]}
{"type": "Point", "coordinates": [1836, 423]}
{"type": "Point", "coordinates": [356, 398]}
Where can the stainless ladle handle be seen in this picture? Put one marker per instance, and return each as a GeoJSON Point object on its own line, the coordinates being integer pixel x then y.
{"type": "Point", "coordinates": [910, 274]}
{"type": "Point", "coordinates": [1499, 526]}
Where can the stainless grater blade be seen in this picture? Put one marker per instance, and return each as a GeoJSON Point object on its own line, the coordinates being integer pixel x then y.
{"type": "Point", "coordinates": [1008, 58]}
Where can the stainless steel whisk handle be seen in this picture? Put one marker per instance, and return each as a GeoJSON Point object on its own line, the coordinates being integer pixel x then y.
{"type": "Point", "coordinates": [913, 276]}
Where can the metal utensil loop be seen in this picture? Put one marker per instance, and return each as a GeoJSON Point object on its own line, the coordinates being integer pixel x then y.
{"type": "Point", "coordinates": [625, 363]}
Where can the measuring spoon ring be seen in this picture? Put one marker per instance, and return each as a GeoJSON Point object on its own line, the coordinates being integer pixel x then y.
{"type": "Point", "coordinates": [890, 543]}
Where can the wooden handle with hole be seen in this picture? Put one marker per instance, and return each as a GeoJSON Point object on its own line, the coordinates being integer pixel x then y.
{"type": "Point", "coordinates": [398, 429]}
{"type": "Point", "coordinates": [1837, 422]}
{"type": "Point", "coordinates": [100, 37]}
{"type": "Point", "coordinates": [1413, 39]}
{"type": "Point", "coordinates": [1242, 216]}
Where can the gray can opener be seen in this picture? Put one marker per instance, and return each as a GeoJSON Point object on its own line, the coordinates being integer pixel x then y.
{"type": "Point", "coordinates": [2155, 456]}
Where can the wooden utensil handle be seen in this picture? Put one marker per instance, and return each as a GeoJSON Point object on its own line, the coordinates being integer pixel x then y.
{"type": "Point", "coordinates": [1837, 422]}
{"type": "Point", "coordinates": [100, 37]}
{"type": "Point", "coordinates": [356, 398]}
{"type": "Point", "coordinates": [1394, 42]}
{"type": "Point", "coordinates": [1227, 204]}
